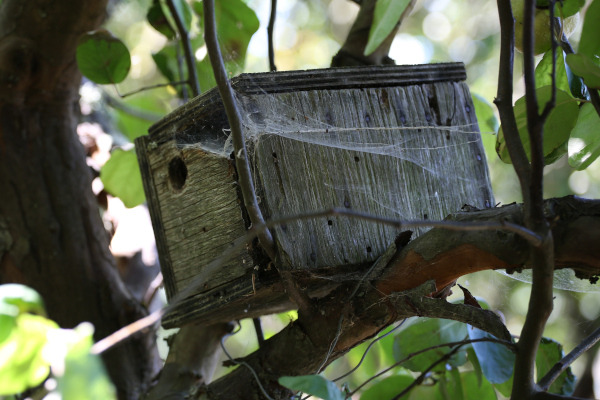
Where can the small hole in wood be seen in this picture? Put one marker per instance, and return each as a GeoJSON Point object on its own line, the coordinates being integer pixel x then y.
{"type": "Point", "coordinates": [347, 204]}
{"type": "Point", "coordinates": [425, 216]}
{"type": "Point", "coordinates": [177, 173]}
{"type": "Point", "coordinates": [329, 222]}
{"type": "Point", "coordinates": [356, 159]}
{"type": "Point", "coordinates": [368, 249]}
{"type": "Point", "coordinates": [274, 155]}
{"type": "Point", "coordinates": [313, 256]}
{"type": "Point", "coordinates": [204, 229]}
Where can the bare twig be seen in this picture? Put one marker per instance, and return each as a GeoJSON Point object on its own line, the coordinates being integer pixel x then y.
{"type": "Point", "coordinates": [562, 365]}
{"type": "Point", "coordinates": [159, 85]}
{"type": "Point", "coordinates": [505, 92]}
{"type": "Point", "coordinates": [270, 29]}
{"type": "Point", "coordinates": [133, 111]}
{"type": "Point", "coordinates": [260, 337]}
{"type": "Point", "coordinates": [245, 364]}
{"type": "Point", "coordinates": [126, 331]}
{"type": "Point", "coordinates": [184, 93]}
{"type": "Point", "coordinates": [421, 377]}
{"type": "Point", "coordinates": [152, 290]}
{"type": "Point", "coordinates": [416, 353]}
{"type": "Point", "coordinates": [187, 49]}
{"type": "Point", "coordinates": [233, 115]}
{"type": "Point", "coordinates": [368, 349]}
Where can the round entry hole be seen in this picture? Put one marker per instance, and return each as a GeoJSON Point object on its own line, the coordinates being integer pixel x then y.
{"type": "Point", "coordinates": [177, 173]}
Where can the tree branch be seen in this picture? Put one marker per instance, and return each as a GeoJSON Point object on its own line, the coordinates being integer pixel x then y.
{"type": "Point", "coordinates": [270, 29]}
{"type": "Point", "coordinates": [416, 353]}
{"type": "Point", "coordinates": [562, 365]}
{"type": "Point", "coordinates": [187, 49]}
{"type": "Point", "coordinates": [505, 92]}
{"type": "Point", "coordinates": [542, 257]}
{"type": "Point", "coordinates": [233, 115]}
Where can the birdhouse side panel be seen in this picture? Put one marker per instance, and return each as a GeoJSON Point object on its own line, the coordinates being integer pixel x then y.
{"type": "Point", "coordinates": [410, 152]}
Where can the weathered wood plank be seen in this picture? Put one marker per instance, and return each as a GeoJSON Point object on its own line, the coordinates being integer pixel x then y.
{"type": "Point", "coordinates": [400, 142]}
{"type": "Point", "coordinates": [427, 169]}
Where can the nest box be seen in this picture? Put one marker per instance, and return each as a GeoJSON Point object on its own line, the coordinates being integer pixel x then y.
{"type": "Point", "coordinates": [395, 141]}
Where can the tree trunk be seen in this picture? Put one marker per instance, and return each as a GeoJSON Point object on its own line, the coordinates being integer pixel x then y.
{"type": "Point", "coordinates": [51, 234]}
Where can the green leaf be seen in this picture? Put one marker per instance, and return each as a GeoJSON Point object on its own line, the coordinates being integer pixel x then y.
{"type": "Point", "coordinates": [21, 363]}
{"type": "Point", "coordinates": [472, 357]}
{"type": "Point", "coordinates": [497, 362]}
{"type": "Point", "coordinates": [183, 10]}
{"type": "Point", "coordinates": [385, 18]}
{"type": "Point", "coordinates": [427, 333]}
{"type": "Point", "coordinates": [429, 392]}
{"type": "Point", "coordinates": [166, 61]}
{"type": "Point", "coordinates": [24, 298]}
{"type": "Point", "coordinates": [236, 23]}
{"type": "Point", "coordinates": [549, 353]}
{"type": "Point", "coordinates": [576, 85]}
{"type": "Point", "coordinates": [103, 58]}
{"type": "Point", "coordinates": [16, 299]}
{"type": "Point", "coordinates": [158, 20]}
{"type": "Point", "coordinates": [84, 375]}
{"type": "Point", "coordinates": [567, 8]}
{"type": "Point", "coordinates": [388, 388]}
{"type": "Point", "coordinates": [133, 126]}
{"type": "Point", "coordinates": [584, 143]}
{"type": "Point", "coordinates": [315, 385]}
{"type": "Point", "coordinates": [505, 388]}
{"type": "Point", "coordinates": [584, 66]}
{"type": "Point", "coordinates": [543, 72]}
{"type": "Point", "coordinates": [556, 131]}
{"type": "Point", "coordinates": [451, 385]}
{"type": "Point", "coordinates": [473, 390]}
{"type": "Point", "coordinates": [122, 178]}
{"type": "Point", "coordinates": [589, 44]}
{"type": "Point", "coordinates": [485, 114]}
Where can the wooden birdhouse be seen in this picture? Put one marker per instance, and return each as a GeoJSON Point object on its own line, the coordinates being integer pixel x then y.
{"type": "Point", "coordinates": [395, 141]}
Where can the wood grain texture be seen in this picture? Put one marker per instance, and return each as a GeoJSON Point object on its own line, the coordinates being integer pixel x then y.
{"type": "Point", "coordinates": [418, 157]}
{"type": "Point", "coordinates": [395, 141]}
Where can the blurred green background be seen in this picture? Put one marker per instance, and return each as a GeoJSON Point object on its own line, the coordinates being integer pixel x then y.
{"type": "Point", "coordinates": [307, 35]}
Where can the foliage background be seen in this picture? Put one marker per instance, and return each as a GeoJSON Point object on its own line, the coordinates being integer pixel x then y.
{"type": "Point", "coordinates": [308, 33]}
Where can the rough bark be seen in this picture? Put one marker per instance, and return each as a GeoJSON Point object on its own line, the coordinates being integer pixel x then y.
{"type": "Point", "coordinates": [51, 235]}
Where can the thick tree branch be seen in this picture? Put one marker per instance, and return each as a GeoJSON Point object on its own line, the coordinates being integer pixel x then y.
{"type": "Point", "coordinates": [58, 243]}
{"type": "Point", "coordinates": [193, 357]}
{"type": "Point", "coordinates": [542, 257]}
{"type": "Point", "coordinates": [439, 254]}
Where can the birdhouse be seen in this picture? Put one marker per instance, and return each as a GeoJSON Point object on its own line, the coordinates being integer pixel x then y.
{"type": "Point", "coordinates": [399, 142]}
